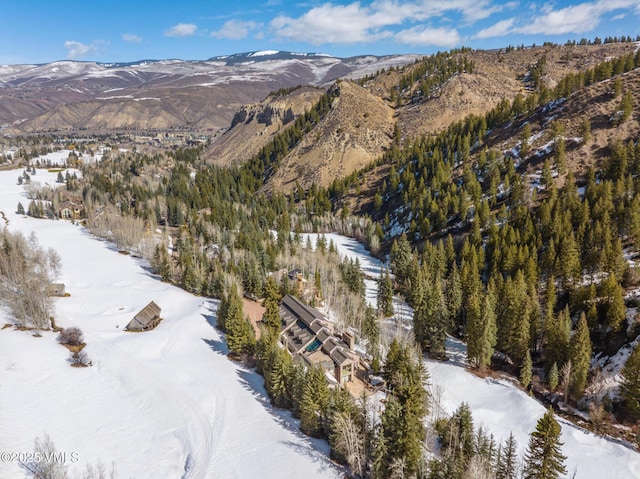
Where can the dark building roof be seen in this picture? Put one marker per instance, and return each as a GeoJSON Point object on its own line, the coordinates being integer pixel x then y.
{"type": "Point", "coordinates": [302, 325]}
{"type": "Point", "coordinates": [292, 309]}
{"type": "Point", "coordinates": [145, 318]}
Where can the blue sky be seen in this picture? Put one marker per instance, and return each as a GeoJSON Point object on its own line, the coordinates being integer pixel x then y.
{"type": "Point", "coordinates": [39, 31]}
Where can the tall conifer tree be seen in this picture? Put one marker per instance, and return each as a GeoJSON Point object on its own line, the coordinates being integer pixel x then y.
{"type": "Point", "coordinates": [630, 387]}
{"type": "Point", "coordinates": [580, 351]}
{"type": "Point", "coordinates": [544, 459]}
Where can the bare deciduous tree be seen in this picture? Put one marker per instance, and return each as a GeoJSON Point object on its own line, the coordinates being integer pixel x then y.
{"type": "Point", "coordinates": [71, 336]}
{"type": "Point", "coordinates": [479, 467]}
{"type": "Point", "coordinates": [24, 278]}
{"type": "Point", "coordinates": [80, 359]}
{"type": "Point", "coordinates": [54, 263]}
{"type": "Point", "coordinates": [45, 469]}
{"type": "Point", "coordinates": [349, 441]}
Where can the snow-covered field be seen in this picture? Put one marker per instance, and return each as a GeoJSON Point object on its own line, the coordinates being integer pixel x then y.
{"type": "Point", "coordinates": [161, 404]}
{"type": "Point", "coordinates": [498, 406]}
{"type": "Point", "coordinates": [60, 157]}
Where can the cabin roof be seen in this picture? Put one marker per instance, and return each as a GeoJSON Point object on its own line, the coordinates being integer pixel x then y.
{"type": "Point", "coordinates": [145, 317]}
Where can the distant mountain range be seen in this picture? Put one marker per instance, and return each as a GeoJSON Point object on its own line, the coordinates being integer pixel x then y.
{"type": "Point", "coordinates": [162, 94]}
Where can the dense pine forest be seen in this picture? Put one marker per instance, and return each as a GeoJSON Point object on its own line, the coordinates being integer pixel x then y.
{"type": "Point", "coordinates": [519, 253]}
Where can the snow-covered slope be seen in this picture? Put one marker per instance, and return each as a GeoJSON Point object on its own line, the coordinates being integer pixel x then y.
{"type": "Point", "coordinates": [241, 66]}
{"type": "Point", "coordinates": [161, 404]}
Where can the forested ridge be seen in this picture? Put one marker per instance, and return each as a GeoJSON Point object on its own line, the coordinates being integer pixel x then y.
{"type": "Point", "coordinates": [530, 269]}
{"type": "Point", "coordinates": [532, 266]}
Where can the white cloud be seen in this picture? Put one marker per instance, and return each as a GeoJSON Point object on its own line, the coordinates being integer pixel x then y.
{"type": "Point", "coordinates": [420, 35]}
{"type": "Point", "coordinates": [497, 30]}
{"type": "Point", "coordinates": [181, 30]}
{"type": "Point", "coordinates": [235, 29]}
{"type": "Point", "coordinates": [421, 21]}
{"type": "Point", "coordinates": [77, 50]}
{"type": "Point", "coordinates": [330, 24]}
{"type": "Point", "coordinates": [359, 23]}
{"type": "Point", "coordinates": [131, 38]}
{"type": "Point", "coordinates": [421, 10]}
{"type": "Point", "coordinates": [579, 18]}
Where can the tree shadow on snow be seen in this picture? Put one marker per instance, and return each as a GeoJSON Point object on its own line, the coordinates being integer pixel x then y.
{"type": "Point", "coordinates": [311, 452]}
{"type": "Point", "coordinates": [316, 449]}
{"type": "Point", "coordinates": [218, 346]}
{"type": "Point", "coordinates": [212, 320]}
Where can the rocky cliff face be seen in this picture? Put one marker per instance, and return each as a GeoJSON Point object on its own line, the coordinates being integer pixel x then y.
{"type": "Point", "coordinates": [357, 130]}
{"type": "Point", "coordinates": [253, 126]}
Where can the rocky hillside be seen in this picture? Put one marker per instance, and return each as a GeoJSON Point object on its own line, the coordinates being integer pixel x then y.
{"type": "Point", "coordinates": [361, 125]}
{"type": "Point", "coordinates": [256, 124]}
{"type": "Point", "coordinates": [497, 74]}
{"type": "Point", "coordinates": [586, 123]}
{"type": "Point", "coordinates": [358, 127]}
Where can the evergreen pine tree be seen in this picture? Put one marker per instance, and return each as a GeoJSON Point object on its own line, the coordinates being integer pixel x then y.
{"type": "Point", "coordinates": [489, 330]}
{"type": "Point", "coordinates": [421, 302]}
{"type": "Point", "coordinates": [385, 294]}
{"type": "Point", "coordinates": [473, 331]}
{"type": "Point", "coordinates": [314, 402]}
{"type": "Point", "coordinates": [550, 301]}
{"type": "Point", "coordinates": [580, 352]}
{"type": "Point", "coordinates": [616, 309]}
{"type": "Point", "coordinates": [507, 464]}
{"type": "Point", "coordinates": [454, 293]}
{"type": "Point", "coordinates": [401, 258]}
{"type": "Point", "coordinates": [570, 268]}
{"type": "Point", "coordinates": [271, 317]}
{"type": "Point", "coordinates": [558, 333]}
{"type": "Point", "coordinates": [513, 318]}
{"type": "Point", "coordinates": [543, 458]}
{"type": "Point", "coordinates": [277, 375]}
{"type": "Point", "coordinates": [371, 331]}
{"type": "Point", "coordinates": [240, 334]}
{"type": "Point", "coordinates": [241, 337]}
{"type": "Point", "coordinates": [20, 209]}
{"type": "Point", "coordinates": [630, 386]}
{"type": "Point", "coordinates": [402, 428]}
{"type": "Point", "coordinates": [526, 371]}
{"type": "Point", "coordinates": [438, 319]}
{"type": "Point", "coordinates": [458, 441]}
{"type": "Point", "coordinates": [554, 377]}
{"type": "Point", "coordinates": [626, 106]}
{"type": "Point", "coordinates": [162, 262]}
